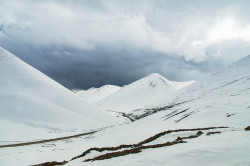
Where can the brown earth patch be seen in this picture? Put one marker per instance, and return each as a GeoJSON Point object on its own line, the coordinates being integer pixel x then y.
{"type": "Point", "coordinates": [247, 128]}
{"type": "Point", "coordinates": [214, 132]}
{"type": "Point", "coordinates": [135, 148]}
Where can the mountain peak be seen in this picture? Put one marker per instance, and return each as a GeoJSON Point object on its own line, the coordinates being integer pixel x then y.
{"type": "Point", "coordinates": [146, 90]}
{"type": "Point", "coordinates": [154, 75]}
{"type": "Point", "coordinates": [155, 79]}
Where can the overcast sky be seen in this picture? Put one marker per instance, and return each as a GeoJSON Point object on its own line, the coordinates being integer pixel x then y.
{"type": "Point", "coordinates": [85, 43]}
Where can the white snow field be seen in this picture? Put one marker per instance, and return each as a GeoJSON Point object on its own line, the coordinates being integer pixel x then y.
{"type": "Point", "coordinates": [94, 95]}
{"type": "Point", "coordinates": [220, 99]}
{"type": "Point", "coordinates": [33, 106]}
{"type": "Point", "coordinates": [145, 91]}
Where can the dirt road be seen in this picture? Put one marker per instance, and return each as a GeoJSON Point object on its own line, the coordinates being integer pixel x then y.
{"type": "Point", "coordinates": [47, 140]}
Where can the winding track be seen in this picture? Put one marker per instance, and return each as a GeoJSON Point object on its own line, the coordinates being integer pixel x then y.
{"type": "Point", "coordinates": [48, 140]}
{"type": "Point", "coordinates": [133, 148]}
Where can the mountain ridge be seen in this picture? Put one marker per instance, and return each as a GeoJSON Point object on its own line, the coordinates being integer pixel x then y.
{"type": "Point", "coordinates": [140, 93]}
{"type": "Point", "coordinates": [93, 95]}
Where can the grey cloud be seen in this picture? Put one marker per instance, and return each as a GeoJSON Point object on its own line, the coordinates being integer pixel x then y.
{"type": "Point", "coordinates": [91, 43]}
{"type": "Point", "coordinates": [84, 69]}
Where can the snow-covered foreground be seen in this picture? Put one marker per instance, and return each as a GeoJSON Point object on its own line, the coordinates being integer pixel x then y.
{"type": "Point", "coordinates": [221, 99]}
{"type": "Point", "coordinates": [33, 106]}
{"type": "Point", "coordinates": [216, 150]}
{"type": "Point", "coordinates": [231, 147]}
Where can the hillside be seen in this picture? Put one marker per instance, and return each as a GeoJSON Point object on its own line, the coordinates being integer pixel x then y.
{"type": "Point", "coordinates": [220, 98]}
{"type": "Point", "coordinates": [166, 132]}
{"type": "Point", "coordinates": [31, 104]}
{"type": "Point", "coordinates": [145, 91]}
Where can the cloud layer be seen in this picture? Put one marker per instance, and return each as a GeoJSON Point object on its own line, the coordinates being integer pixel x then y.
{"type": "Point", "coordinates": [185, 34]}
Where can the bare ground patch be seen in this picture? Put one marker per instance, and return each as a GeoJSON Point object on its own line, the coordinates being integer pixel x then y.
{"type": "Point", "coordinates": [134, 148]}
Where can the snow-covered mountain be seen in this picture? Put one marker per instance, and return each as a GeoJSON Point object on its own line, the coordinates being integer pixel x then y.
{"type": "Point", "coordinates": [156, 137]}
{"type": "Point", "coordinates": [29, 101]}
{"type": "Point", "coordinates": [222, 98]}
{"type": "Point", "coordinates": [143, 92]}
{"type": "Point", "coordinates": [94, 95]}
{"type": "Point", "coordinates": [182, 127]}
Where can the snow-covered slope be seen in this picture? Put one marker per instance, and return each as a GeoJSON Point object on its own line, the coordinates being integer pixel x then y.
{"type": "Point", "coordinates": [143, 92]}
{"type": "Point", "coordinates": [180, 85]}
{"type": "Point", "coordinates": [94, 95]}
{"type": "Point", "coordinates": [221, 99]}
{"type": "Point", "coordinates": [28, 98]}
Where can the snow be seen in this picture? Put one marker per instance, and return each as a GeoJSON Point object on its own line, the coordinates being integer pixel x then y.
{"type": "Point", "coordinates": [94, 95]}
{"type": "Point", "coordinates": [30, 99]}
{"type": "Point", "coordinates": [216, 96]}
{"type": "Point", "coordinates": [217, 150]}
{"type": "Point", "coordinates": [220, 99]}
{"type": "Point", "coordinates": [143, 92]}
{"type": "Point", "coordinates": [180, 85]}
{"type": "Point", "coordinates": [207, 150]}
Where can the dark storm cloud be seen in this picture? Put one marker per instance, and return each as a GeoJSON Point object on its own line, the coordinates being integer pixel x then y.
{"type": "Point", "coordinates": [91, 43]}
{"type": "Point", "coordinates": [85, 69]}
